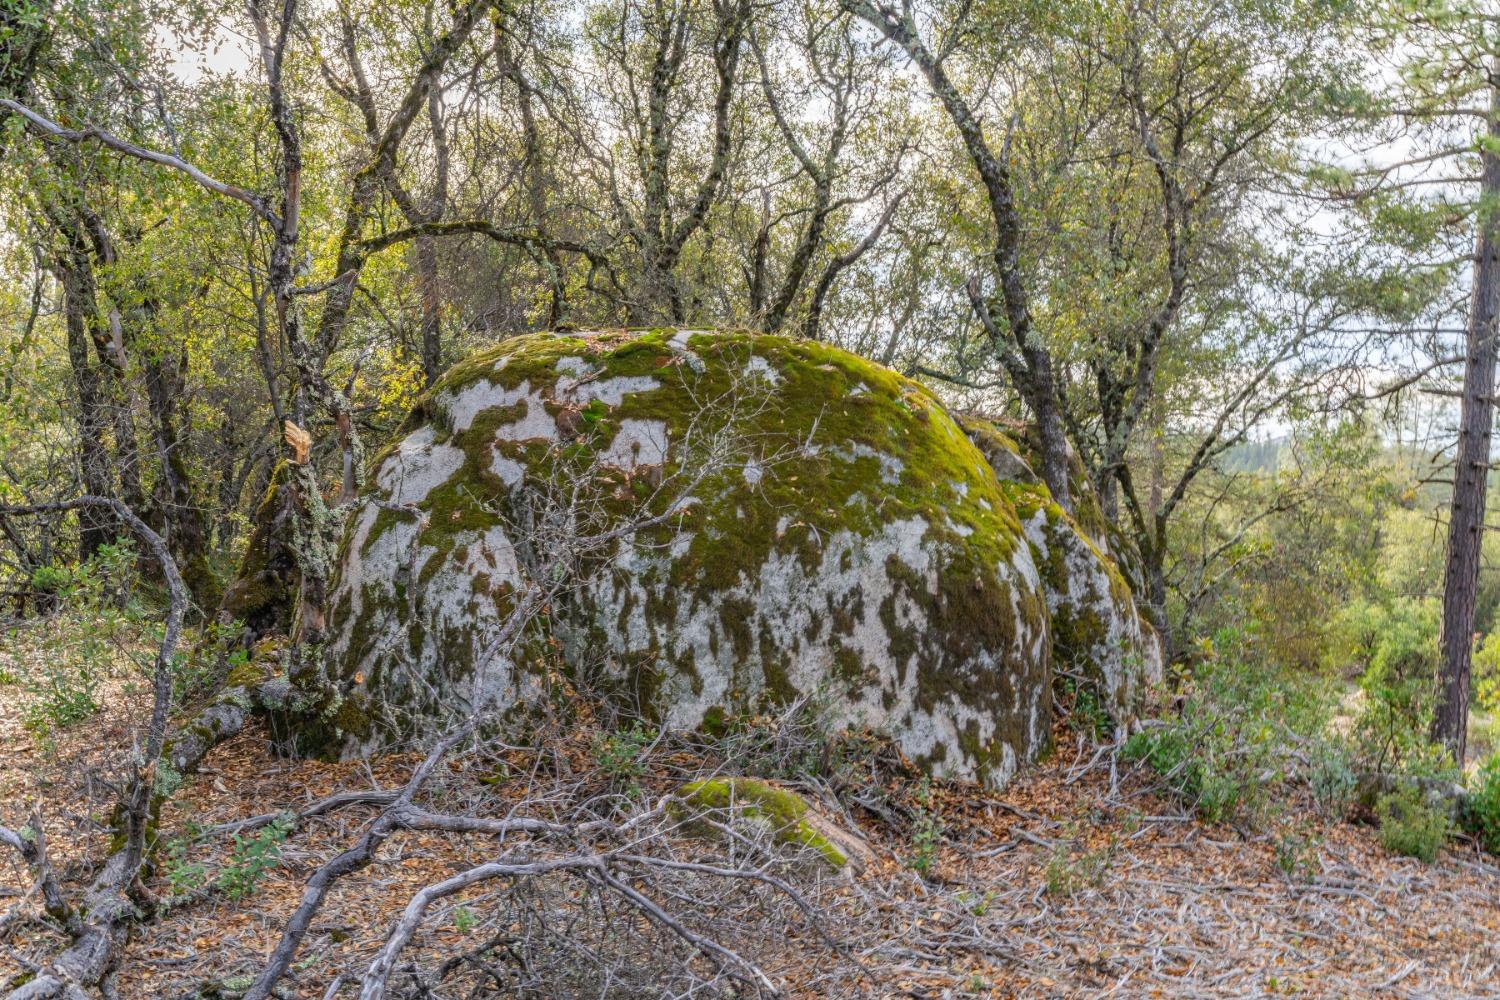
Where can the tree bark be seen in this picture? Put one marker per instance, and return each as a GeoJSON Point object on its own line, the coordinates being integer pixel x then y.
{"type": "Point", "coordinates": [96, 525]}
{"type": "Point", "coordinates": [1450, 721]}
{"type": "Point", "coordinates": [1030, 371]}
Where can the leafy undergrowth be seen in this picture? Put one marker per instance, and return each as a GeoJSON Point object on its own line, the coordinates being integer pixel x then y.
{"type": "Point", "coordinates": [1079, 880]}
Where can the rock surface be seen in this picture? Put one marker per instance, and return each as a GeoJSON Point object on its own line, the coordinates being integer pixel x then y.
{"type": "Point", "coordinates": [1098, 631]}
{"type": "Point", "coordinates": [786, 817]}
{"type": "Point", "coordinates": [818, 526]}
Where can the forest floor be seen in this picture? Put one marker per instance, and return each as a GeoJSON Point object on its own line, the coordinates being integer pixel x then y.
{"type": "Point", "coordinates": [1078, 880]}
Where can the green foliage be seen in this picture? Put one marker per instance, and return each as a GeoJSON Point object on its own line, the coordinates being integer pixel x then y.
{"type": "Point", "coordinates": [1201, 767]}
{"type": "Point", "coordinates": [1410, 825]}
{"type": "Point", "coordinates": [1068, 872]}
{"type": "Point", "coordinates": [1482, 810]}
{"type": "Point", "coordinates": [76, 649]}
{"type": "Point", "coordinates": [50, 579]}
{"type": "Point", "coordinates": [1227, 752]}
{"type": "Point", "coordinates": [1297, 853]}
{"type": "Point", "coordinates": [1398, 686]}
{"type": "Point", "coordinates": [621, 756]}
{"type": "Point", "coordinates": [976, 904]}
{"type": "Point", "coordinates": [464, 920]}
{"type": "Point", "coordinates": [253, 856]}
{"type": "Point", "coordinates": [1082, 708]}
{"type": "Point", "coordinates": [183, 875]}
{"type": "Point", "coordinates": [927, 828]}
{"type": "Point", "coordinates": [1487, 674]}
{"type": "Point", "coordinates": [1333, 777]}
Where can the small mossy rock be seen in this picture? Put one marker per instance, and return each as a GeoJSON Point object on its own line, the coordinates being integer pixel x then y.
{"type": "Point", "coordinates": [1098, 631]}
{"type": "Point", "coordinates": [858, 548]}
{"type": "Point", "coordinates": [786, 816]}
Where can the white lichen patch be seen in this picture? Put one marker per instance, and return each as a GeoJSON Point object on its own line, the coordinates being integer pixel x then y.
{"type": "Point", "coordinates": [637, 444]}
{"type": "Point", "coordinates": [762, 369]}
{"type": "Point", "coordinates": [509, 470]}
{"type": "Point", "coordinates": [417, 467]}
{"type": "Point", "coordinates": [609, 391]}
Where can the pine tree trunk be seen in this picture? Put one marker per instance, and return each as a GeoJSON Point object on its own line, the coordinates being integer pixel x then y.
{"type": "Point", "coordinates": [1472, 466]}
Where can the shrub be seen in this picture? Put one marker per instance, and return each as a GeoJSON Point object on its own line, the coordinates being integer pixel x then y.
{"type": "Point", "coordinates": [253, 856]}
{"type": "Point", "coordinates": [926, 832]}
{"type": "Point", "coordinates": [1482, 810]}
{"type": "Point", "coordinates": [1067, 874]}
{"type": "Point", "coordinates": [76, 650]}
{"type": "Point", "coordinates": [1487, 674]}
{"type": "Point", "coordinates": [1391, 729]}
{"type": "Point", "coordinates": [1200, 766]}
{"type": "Point", "coordinates": [1410, 826]}
{"type": "Point", "coordinates": [621, 756]}
{"type": "Point", "coordinates": [1232, 744]}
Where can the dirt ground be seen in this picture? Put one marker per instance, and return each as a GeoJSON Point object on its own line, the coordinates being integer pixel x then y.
{"type": "Point", "coordinates": [1078, 880]}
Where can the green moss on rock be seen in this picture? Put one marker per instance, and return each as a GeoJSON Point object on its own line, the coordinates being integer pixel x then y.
{"type": "Point", "coordinates": [784, 812]}
{"type": "Point", "coordinates": [833, 530]}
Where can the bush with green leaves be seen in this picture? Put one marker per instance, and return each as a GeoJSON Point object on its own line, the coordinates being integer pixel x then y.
{"type": "Point", "coordinates": [1487, 674]}
{"type": "Point", "coordinates": [1333, 777]}
{"type": "Point", "coordinates": [253, 855]}
{"type": "Point", "coordinates": [1233, 741]}
{"type": "Point", "coordinates": [1482, 808]}
{"type": "Point", "coordinates": [621, 756]}
{"type": "Point", "coordinates": [1398, 686]}
{"type": "Point", "coordinates": [73, 652]}
{"type": "Point", "coordinates": [184, 875]}
{"type": "Point", "coordinates": [1410, 825]}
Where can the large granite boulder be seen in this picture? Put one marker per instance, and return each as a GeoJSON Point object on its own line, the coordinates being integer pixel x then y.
{"type": "Point", "coordinates": [817, 526]}
{"type": "Point", "coordinates": [1098, 631]}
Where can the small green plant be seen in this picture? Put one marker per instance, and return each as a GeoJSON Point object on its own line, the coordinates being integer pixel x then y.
{"type": "Point", "coordinates": [464, 920]}
{"type": "Point", "coordinates": [253, 856]}
{"type": "Point", "coordinates": [50, 579]}
{"type": "Point", "coordinates": [1410, 826]}
{"type": "Point", "coordinates": [926, 831]}
{"type": "Point", "coordinates": [76, 649]}
{"type": "Point", "coordinates": [1331, 776]}
{"type": "Point", "coordinates": [1297, 854]}
{"type": "Point", "coordinates": [1082, 708]}
{"type": "Point", "coordinates": [184, 876]}
{"type": "Point", "coordinates": [1066, 873]}
{"type": "Point", "coordinates": [621, 756]}
{"type": "Point", "coordinates": [1482, 811]}
{"type": "Point", "coordinates": [975, 903]}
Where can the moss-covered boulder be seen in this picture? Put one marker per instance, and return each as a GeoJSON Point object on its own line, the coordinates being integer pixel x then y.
{"type": "Point", "coordinates": [1098, 631]}
{"type": "Point", "coordinates": [821, 527]}
{"type": "Point", "coordinates": [786, 817]}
